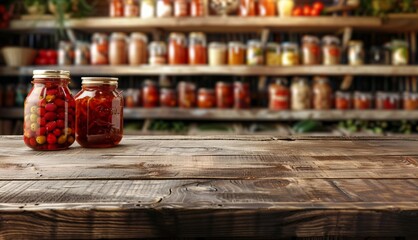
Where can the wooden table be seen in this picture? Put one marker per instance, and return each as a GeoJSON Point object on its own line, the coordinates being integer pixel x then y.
{"type": "Point", "coordinates": [211, 187]}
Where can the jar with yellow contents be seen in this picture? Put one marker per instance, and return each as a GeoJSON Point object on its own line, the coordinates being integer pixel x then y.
{"type": "Point", "coordinates": [273, 54]}
{"type": "Point", "coordinates": [290, 54]}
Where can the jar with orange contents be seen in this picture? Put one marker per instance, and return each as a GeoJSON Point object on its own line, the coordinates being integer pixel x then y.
{"type": "Point", "coordinates": [99, 50]}
{"type": "Point", "coordinates": [181, 8]}
{"type": "Point", "coordinates": [363, 100]}
{"type": "Point", "coordinates": [311, 51]}
{"type": "Point", "coordinates": [267, 8]}
{"type": "Point", "coordinates": [410, 101]}
{"type": "Point", "coordinates": [197, 48]}
{"type": "Point", "coordinates": [322, 94]}
{"type": "Point", "coordinates": [177, 49]}
{"type": "Point", "coordinates": [224, 95]}
{"type": "Point", "coordinates": [206, 98]}
{"type": "Point", "coordinates": [150, 94]}
{"type": "Point", "coordinates": [118, 49]}
{"type": "Point", "coordinates": [242, 95]}
{"type": "Point", "coordinates": [331, 50]}
{"type": "Point", "coordinates": [116, 8]}
{"type": "Point", "coordinates": [279, 95]}
{"type": "Point", "coordinates": [138, 49]}
{"type": "Point", "coordinates": [131, 8]}
{"type": "Point", "coordinates": [343, 100]}
{"type": "Point", "coordinates": [248, 8]}
{"type": "Point", "coordinates": [236, 53]}
{"type": "Point", "coordinates": [187, 94]}
{"type": "Point", "coordinates": [197, 8]}
{"type": "Point", "coordinates": [168, 97]}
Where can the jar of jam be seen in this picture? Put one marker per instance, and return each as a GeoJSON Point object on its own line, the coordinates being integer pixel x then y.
{"type": "Point", "coordinates": [410, 101]}
{"type": "Point", "coordinates": [164, 8]}
{"type": "Point", "coordinates": [197, 8]}
{"type": "Point", "coordinates": [99, 110]}
{"type": "Point", "coordinates": [197, 48]}
{"type": "Point", "coordinates": [99, 50]}
{"type": "Point", "coordinates": [355, 53]}
{"type": "Point", "coordinates": [242, 95]}
{"type": "Point", "coordinates": [206, 98]}
{"type": "Point", "coordinates": [65, 53]}
{"type": "Point", "coordinates": [267, 7]}
{"type": "Point", "coordinates": [150, 94]}
{"type": "Point", "coordinates": [248, 8]}
{"type": "Point", "coordinates": [116, 8]}
{"type": "Point", "coordinates": [363, 100]}
{"type": "Point", "coordinates": [217, 53]}
{"type": "Point", "coordinates": [224, 95]}
{"type": "Point", "coordinates": [311, 51]}
{"type": "Point", "coordinates": [131, 8]}
{"type": "Point", "coordinates": [400, 52]}
{"type": "Point", "coordinates": [290, 54]}
{"type": "Point", "coordinates": [181, 8]}
{"type": "Point", "coordinates": [187, 94]}
{"type": "Point", "coordinates": [118, 49]}
{"type": "Point", "coordinates": [138, 49]}
{"type": "Point", "coordinates": [255, 53]}
{"type": "Point", "coordinates": [236, 53]}
{"type": "Point", "coordinates": [49, 109]}
{"type": "Point", "coordinates": [343, 100]}
{"type": "Point", "coordinates": [82, 53]}
{"type": "Point", "coordinates": [301, 94]}
{"type": "Point", "coordinates": [322, 94]}
{"type": "Point", "coordinates": [157, 53]}
{"type": "Point", "coordinates": [273, 54]}
{"type": "Point", "coordinates": [132, 97]}
{"type": "Point", "coordinates": [279, 95]}
{"type": "Point", "coordinates": [177, 49]}
{"type": "Point", "coordinates": [387, 100]}
{"type": "Point", "coordinates": [168, 97]}
{"type": "Point", "coordinates": [147, 8]}
{"type": "Point", "coordinates": [331, 50]}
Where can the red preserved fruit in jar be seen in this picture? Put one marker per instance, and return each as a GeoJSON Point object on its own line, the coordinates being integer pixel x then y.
{"type": "Point", "coordinates": [248, 8]}
{"type": "Point", "coordinates": [181, 8]}
{"type": "Point", "coordinates": [279, 95]}
{"type": "Point", "coordinates": [206, 98]}
{"type": "Point", "coordinates": [116, 8]}
{"type": "Point", "coordinates": [49, 112]}
{"type": "Point", "coordinates": [242, 95]}
{"type": "Point", "coordinates": [168, 97]}
{"type": "Point", "coordinates": [362, 100]}
{"type": "Point", "coordinates": [387, 100]}
{"type": "Point", "coordinates": [267, 7]}
{"type": "Point", "coordinates": [99, 111]}
{"type": "Point", "coordinates": [187, 94]}
{"type": "Point", "coordinates": [150, 94]}
{"type": "Point", "coordinates": [224, 95]}
{"type": "Point", "coordinates": [177, 49]}
{"type": "Point", "coordinates": [343, 100]}
{"type": "Point", "coordinates": [197, 8]}
{"type": "Point", "coordinates": [197, 48]}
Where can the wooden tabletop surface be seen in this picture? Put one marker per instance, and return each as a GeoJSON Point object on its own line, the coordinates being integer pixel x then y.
{"type": "Point", "coordinates": [211, 187]}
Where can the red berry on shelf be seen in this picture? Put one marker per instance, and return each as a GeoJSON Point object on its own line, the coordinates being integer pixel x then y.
{"type": "Point", "coordinates": [51, 139]}
{"type": "Point", "coordinates": [315, 12]}
{"type": "Point", "coordinates": [318, 5]}
{"type": "Point", "coordinates": [307, 10]}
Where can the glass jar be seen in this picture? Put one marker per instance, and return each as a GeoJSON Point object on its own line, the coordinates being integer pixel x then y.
{"type": "Point", "coordinates": [311, 51]}
{"type": "Point", "coordinates": [343, 100]}
{"type": "Point", "coordinates": [131, 8]}
{"type": "Point", "coordinates": [150, 94]}
{"type": "Point", "coordinates": [157, 53]}
{"type": "Point", "coordinates": [363, 100]}
{"type": "Point", "coordinates": [242, 95]}
{"type": "Point", "coordinates": [410, 101]}
{"type": "Point", "coordinates": [248, 8]}
{"type": "Point", "coordinates": [387, 100]}
{"type": "Point", "coordinates": [355, 53]}
{"type": "Point", "coordinates": [99, 110]}
{"type": "Point", "coordinates": [181, 8]}
{"type": "Point", "coordinates": [164, 8]}
{"type": "Point", "coordinates": [322, 94]}
{"type": "Point", "coordinates": [285, 7]}
{"type": "Point", "coordinates": [279, 95]}
{"type": "Point", "coordinates": [65, 53]}
{"type": "Point", "coordinates": [147, 8]}
{"type": "Point", "coordinates": [99, 50]}
{"type": "Point", "coordinates": [168, 97]}
{"type": "Point", "coordinates": [82, 53]}
{"type": "Point", "coordinates": [118, 49]}
{"type": "Point", "coordinates": [236, 53]}
{"type": "Point", "coordinates": [177, 49]}
{"type": "Point", "coordinates": [197, 48]}
{"type": "Point", "coordinates": [267, 8]}
{"type": "Point", "coordinates": [380, 55]}
{"type": "Point", "coordinates": [132, 98]}
{"type": "Point", "coordinates": [217, 54]}
{"type": "Point", "coordinates": [116, 8]}
{"type": "Point", "coordinates": [187, 94]}
{"type": "Point", "coordinates": [273, 54]}
{"type": "Point", "coordinates": [206, 98]}
{"type": "Point", "coordinates": [331, 50]}
{"type": "Point", "coordinates": [224, 95]}
{"type": "Point", "coordinates": [255, 52]}
{"type": "Point", "coordinates": [301, 94]}
{"type": "Point", "coordinates": [49, 109]}
{"type": "Point", "coordinates": [138, 49]}
{"type": "Point", "coordinates": [290, 54]}
{"type": "Point", "coordinates": [400, 52]}
{"type": "Point", "coordinates": [197, 8]}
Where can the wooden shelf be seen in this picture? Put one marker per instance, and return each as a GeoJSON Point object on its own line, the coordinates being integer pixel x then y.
{"type": "Point", "coordinates": [186, 70]}
{"type": "Point", "coordinates": [246, 115]}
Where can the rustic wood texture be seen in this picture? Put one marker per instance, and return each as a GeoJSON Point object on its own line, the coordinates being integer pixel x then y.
{"type": "Point", "coordinates": [238, 186]}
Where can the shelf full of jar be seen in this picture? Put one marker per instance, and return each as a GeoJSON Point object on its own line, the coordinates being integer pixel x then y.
{"type": "Point", "coordinates": [197, 70]}
{"type": "Point", "coordinates": [253, 114]}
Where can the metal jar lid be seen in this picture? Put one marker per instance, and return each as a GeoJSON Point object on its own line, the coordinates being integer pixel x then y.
{"type": "Point", "coordinates": [51, 74]}
{"type": "Point", "coordinates": [99, 81]}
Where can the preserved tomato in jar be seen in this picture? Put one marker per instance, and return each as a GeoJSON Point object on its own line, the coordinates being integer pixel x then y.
{"type": "Point", "coordinates": [164, 8]}
{"type": "Point", "coordinates": [99, 50]}
{"type": "Point", "coordinates": [197, 8]}
{"type": "Point", "coordinates": [181, 8]}
{"type": "Point", "coordinates": [157, 53]}
{"type": "Point", "coordinates": [99, 111]}
{"type": "Point", "coordinates": [279, 95]}
{"type": "Point", "coordinates": [150, 94]}
{"type": "Point", "coordinates": [273, 54]}
{"type": "Point", "coordinates": [362, 100]}
{"type": "Point", "coordinates": [132, 98]}
{"type": "Point", "coordinates": [131, 8]}
{"type": "Point", "coordinates": [168, 97]}
{"type": "Point", "coordinates": [116, 8]}
{"type": "Point", "coordinates": [410, 101]}
{"type": "Point", "coordinates": [187, 94]}
{"type": "Point", "coordinates": [290, 54]}
{"type": "Point", "coordinates": [255, 53]}
{"type": "Point", "coordinates": [118, 49]}
{"type": "Point", "coordinates": [242, 95]}
{"type": "Point", "coordinates": [49, 121]}
{"type": "Point", "coordinates": [217, 54]}
{"type": "Point", "coordinates": [267, 7]}
{"type": "Point", "coordinates": [236, 53]}
{"type": "Point", "coordinates": [224, 95]}
{"type": "Point", "coordinates": [322, 94]}
{"type": "Point", "coordinates": [177, 49]}
{"type": "Point", "coordinates": [343, 100]}
{"type": "Point", "coordinates": [138, 49]}
{"type": "Point", "coordinates": [301, 94]}
{"type": "Point", "coordinates": [248, 8]}
{"type": "Point", "coordinates": [311, 51]}
{"type": "Point", "coordinates": [206, 98]}
{"type": "Point", "coordinates": [387, 100]}
{"type": "Point", "coordinates": [331, 50]}
{"type": "Point", "coordinates": [197, 48]}
{"type": "Point", "coordinates": [82, 53]}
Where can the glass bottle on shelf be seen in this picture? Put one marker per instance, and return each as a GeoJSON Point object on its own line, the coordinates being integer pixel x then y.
{"type": "Point", "coordinates": [387, 100]}
{"type": "Point", "coordinates": [197, 8]}
{"type": "Point", "coordinates": [217, 54]}
{"type": "Point", "coordinates": [255, 53]}
{"type": "Point", "coordinates": [248, 8]}
{"type": "Point", "coordinates": [242, 95]}
{"type": "Point", "coordinates": [148, 8]}
{"type": "Point", "coordinates": [206, 98]}
{"type": "Point", "coordinates": [99, 50]}
{"type": "Point", "coordinates": [177, 49]}
{"type": "Point", "coordinates": [355, 53]}
{"type": "Point", "coordinates": [301, 94]}
{"type": "Point", "coordinates": [116, 8]}
{"type": "Point", "coordinates": [290, 54]}
{"type": "Point", "coordinates": [138, 49]}
{"type": "Point", "coordinates": [311, 51]}
{"type": "Point", "coordinates": [187, 94]}
{"type": "Point", "coordinates": [65, 53]}
{"type": "Point", "coordinates": [224, 95]}
{"type": "Point", "coordinates": [168, 97]}
{"type": "Point", "coordinates": [279, 95]}
{"type": "Point", "coordinates": [331, 50]}
{"type": "Point", "coordinates": [181, 8]}
{"type": "Point", "coordinates": [343, 100]}
{"type": "Point", "coordinates": [82, 53]}
{"type": "Point", "coordinates": [118, 49]}
{"type": "Point", "coordinates": [197, 48]}
{"type": "Point", "coordinates": [410, 101]}
{"type": "Point", "coordinates": [150, 94]}
{"type": "Point", "coordinates": [131, 8]}
{"type": "Point", "coordinates": [273, 54]}
{"type": "Point", "coordinates": [322, 94]}
{"type": "Point", "coordinates": [164, 8]}
{"type": "Point", "coordinates": [400, 52]}
{"type": "Point", "coordinates": [157, 53]}
{"type": "Point", "coordinates": [363, 100]}
{"type": "Point", "coordinates": [236, 53]}
{"type": "Point", "coordinates": [285, 7]}
{"type": "Point", "coordinates": [267, 8]}
{"type": "Point", "coordinates": [99, 110]}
